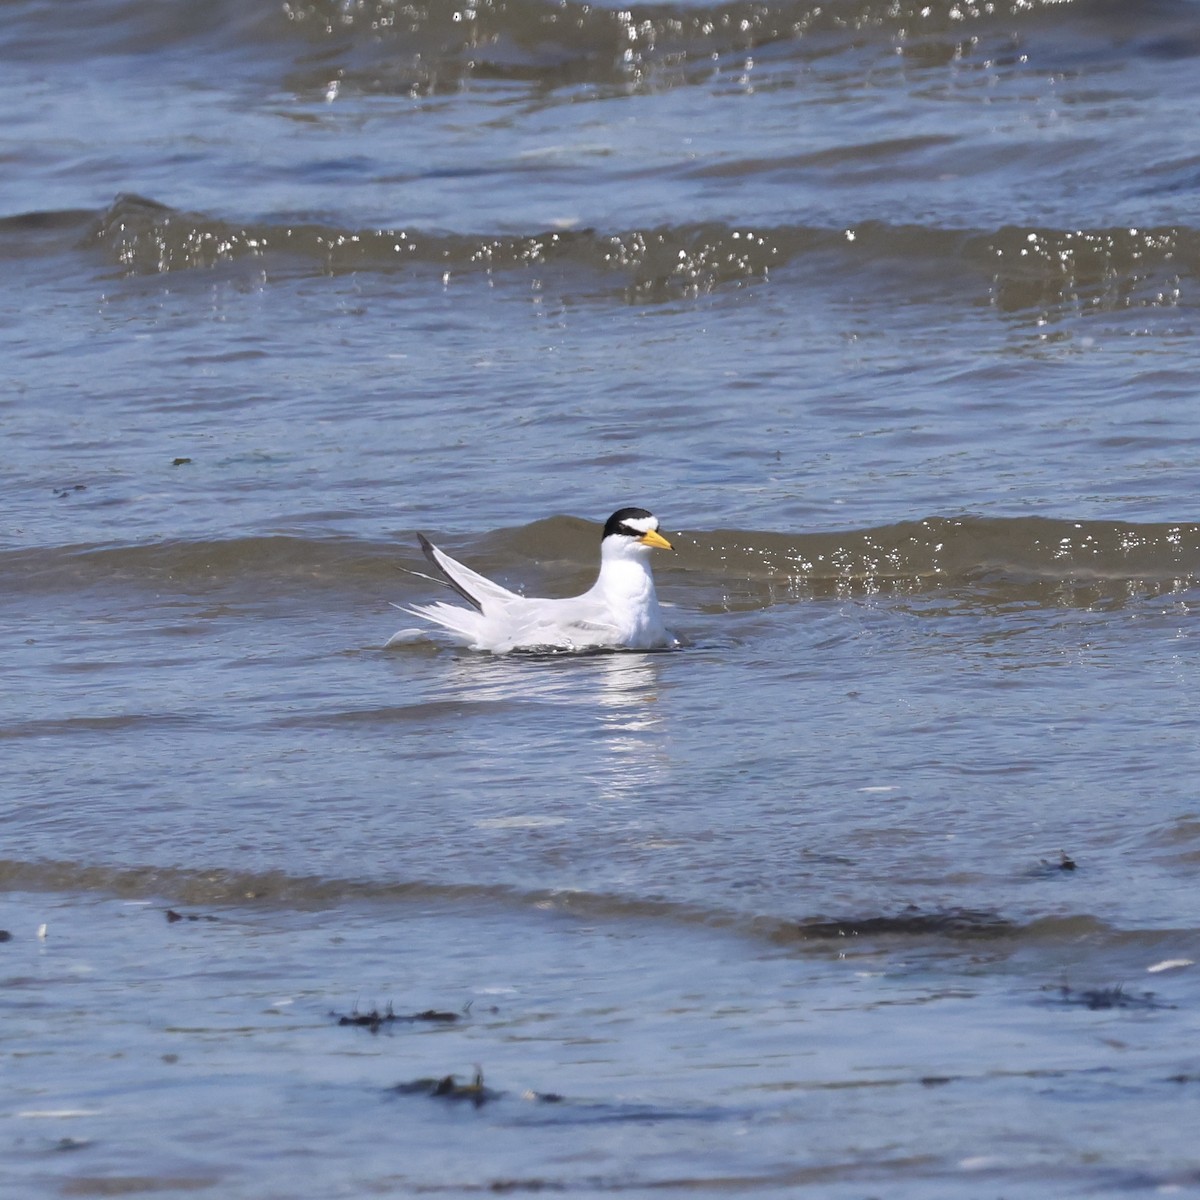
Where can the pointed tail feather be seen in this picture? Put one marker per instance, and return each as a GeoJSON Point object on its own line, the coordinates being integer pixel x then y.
{"type": "Point", "coordinates": [458, 622]}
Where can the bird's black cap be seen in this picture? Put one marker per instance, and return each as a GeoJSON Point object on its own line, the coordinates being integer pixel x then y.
{"type": "Point", "coordinates": [618, 522]}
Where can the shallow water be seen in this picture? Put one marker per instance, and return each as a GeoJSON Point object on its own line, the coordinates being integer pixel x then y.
{"type": "Point", "coordinates": [884, 882]}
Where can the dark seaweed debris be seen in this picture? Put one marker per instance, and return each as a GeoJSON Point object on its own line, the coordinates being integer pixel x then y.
{"type": "Point", "coordinates": [1047, 868]}
{"type": "Point", "coordinates": [448, 1088]}
{"type": "Point", "coordinates": [375, 1020]}
{"type": "Point", "coordinates": [912, 921]}
{"type": "Point", "coordinates": [502, 1187]}
{"type": "Point", "coordinates": [1098, 999]}
{"type": "Point", "coordinates": [173, 916]}
{"type": "Point", "coordinates": [5, 936]}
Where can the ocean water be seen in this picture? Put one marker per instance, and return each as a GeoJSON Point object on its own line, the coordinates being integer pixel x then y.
{"type": "Point", "coordinates": [884, 884]}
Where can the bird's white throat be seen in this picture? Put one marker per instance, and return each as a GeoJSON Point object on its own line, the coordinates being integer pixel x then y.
{"type": "Point", "coordinates": [624, 569]}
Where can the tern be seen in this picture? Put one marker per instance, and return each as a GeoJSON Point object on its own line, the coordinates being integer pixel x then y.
{"type": "Point", "coordinates": [619, 611]}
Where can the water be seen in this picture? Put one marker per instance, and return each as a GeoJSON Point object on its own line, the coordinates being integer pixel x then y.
{"type": "Point", "coordinates": [884, 883]}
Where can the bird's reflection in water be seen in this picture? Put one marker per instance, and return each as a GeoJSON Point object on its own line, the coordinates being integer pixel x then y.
{"type": "Point", "coordinates": [599, 714]}
{"type": "Point", "coordinates": [630, 726]}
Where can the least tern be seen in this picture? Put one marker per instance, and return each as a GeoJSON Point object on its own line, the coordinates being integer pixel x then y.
{"type": "Point", "coordinates": [618, 612]}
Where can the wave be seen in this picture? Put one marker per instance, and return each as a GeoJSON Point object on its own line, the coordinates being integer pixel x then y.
{"type": "Point", "coordinates": [429, 49]}
{"type": "Point", "coordinates": [1022, 556]}
{"type": "Point", "coordinates": [426, 49]}
{"type": "Point", "coordinates": [1033, 559]}
{"type": "Point", "coordinates": [1013, 268]}
{"type": "Point", "coordinates": [211, 888]}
